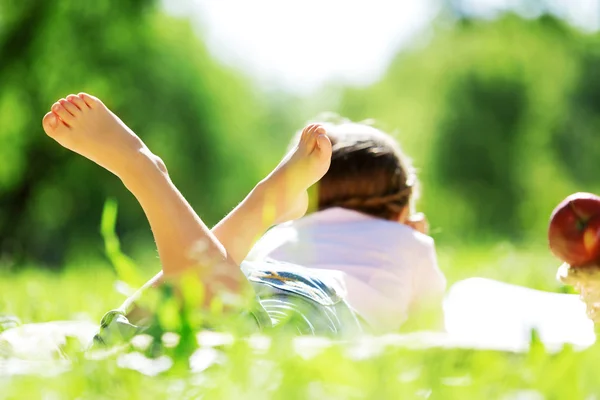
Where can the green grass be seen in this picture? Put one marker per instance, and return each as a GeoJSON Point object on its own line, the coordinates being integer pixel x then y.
{"type": "Point", "coordinates": [242, 369]}
{"type": "Point", "coordinates": [532, 266]}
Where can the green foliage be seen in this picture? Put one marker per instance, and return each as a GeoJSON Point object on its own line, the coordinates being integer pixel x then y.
{"type": "Point", "coordinates": [575, 139]}
{"type": "Point", "coordinates": [124, 266]}
{"type": "Point", "coordinates": [478, 139]}
{"type": "Point", "coordinates": [204, 120]}
{"type": "Point", "coordinates": [500, 117]}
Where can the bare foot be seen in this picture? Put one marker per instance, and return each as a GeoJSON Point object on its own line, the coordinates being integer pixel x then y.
{"type": "Point", "coordinates": [301, 168]}
{"type": "Point", "coordinates": [86, 126]}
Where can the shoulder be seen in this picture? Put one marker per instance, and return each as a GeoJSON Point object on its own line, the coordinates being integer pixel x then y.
{"type": "Point", "coordinates": [407, 237]}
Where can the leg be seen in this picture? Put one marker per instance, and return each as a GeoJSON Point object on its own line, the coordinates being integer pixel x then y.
{"type": "Point", "coordinates": [280, 197]}
{"type": "Point", "coordinates": [84, 125]}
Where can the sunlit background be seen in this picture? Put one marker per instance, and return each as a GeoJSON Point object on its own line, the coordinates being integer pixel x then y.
{"type": "Point", "coordinates": [497, 102]}
{"type": "Point", "coordinates": [301, 46]}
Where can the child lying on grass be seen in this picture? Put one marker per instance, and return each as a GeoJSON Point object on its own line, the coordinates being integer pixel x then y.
{"type": "Point", "coordinates": [86, 126]}
{"type": "Point", "coordinates": [83, 124]}
{"type": "Point", "coordinates": [365, 232]}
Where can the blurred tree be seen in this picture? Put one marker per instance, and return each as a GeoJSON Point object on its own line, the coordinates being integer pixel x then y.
{"type": "Point", "coordinates": [576, 141]}
{"type": "Point", "coordinates": [476, 149]}
{"type": "Point", "coordinates": [204, 120]}
{"type": "Point", "coordinates": [500, 116]}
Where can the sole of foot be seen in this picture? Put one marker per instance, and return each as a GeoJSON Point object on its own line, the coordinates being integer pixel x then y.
{"type": "Point", "coordinates": [301, 168]}
{"type": "Point", "coordinates": [84, 125]}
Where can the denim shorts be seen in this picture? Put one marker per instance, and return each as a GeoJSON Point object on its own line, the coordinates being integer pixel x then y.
{"type": "Point", "coordinates": [301, 300]}
{"type": "Point", "coordinates": [289, 298]}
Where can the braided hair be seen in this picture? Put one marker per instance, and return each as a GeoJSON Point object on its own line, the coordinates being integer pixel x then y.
{"type": "Point", "coordinates": [368, 172]}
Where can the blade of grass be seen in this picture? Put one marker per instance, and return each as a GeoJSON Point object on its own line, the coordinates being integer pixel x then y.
{"type": "Point", "coordinates": [125, 267]}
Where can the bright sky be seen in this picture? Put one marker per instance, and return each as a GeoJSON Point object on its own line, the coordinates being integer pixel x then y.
{"type": "Point", "coordinates": [299, 45]}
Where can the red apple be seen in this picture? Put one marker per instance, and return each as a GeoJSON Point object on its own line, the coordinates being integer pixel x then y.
{"type": "Point", "coordinates": [574, 231]}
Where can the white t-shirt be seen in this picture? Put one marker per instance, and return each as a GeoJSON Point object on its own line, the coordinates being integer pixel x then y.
{"type": "Point", "coordinates": [386, 267]}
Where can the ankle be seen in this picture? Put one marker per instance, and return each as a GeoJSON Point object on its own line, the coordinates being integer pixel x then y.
{"type": "Point", "coordinates": [278, 202]}
{"type": "Point", "coordinates": [264, 199]}
{"type": "Point", "coordinates": [142, 166]}
{"type": "Point", "coordinates": [266, 185]}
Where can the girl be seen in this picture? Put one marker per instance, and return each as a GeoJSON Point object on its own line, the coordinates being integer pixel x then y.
{"type": "Point", "coordinates": [186, 247]}
{"type": "Point", "coordinates": [365, 232]}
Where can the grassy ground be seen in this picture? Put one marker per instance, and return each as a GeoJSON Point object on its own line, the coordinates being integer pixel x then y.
{"type": "Point", "coordinates": [285, 369]}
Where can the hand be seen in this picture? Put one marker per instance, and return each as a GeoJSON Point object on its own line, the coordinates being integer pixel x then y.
{"type": "Point", "coordinates": [419, 223]}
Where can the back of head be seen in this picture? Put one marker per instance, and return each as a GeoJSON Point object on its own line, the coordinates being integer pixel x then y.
{"type": "Point", "coordinates": [368, 172]}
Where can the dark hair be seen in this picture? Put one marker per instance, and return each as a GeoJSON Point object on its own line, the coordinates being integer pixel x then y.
{"type": "Point", "coordinates": [368, 172]}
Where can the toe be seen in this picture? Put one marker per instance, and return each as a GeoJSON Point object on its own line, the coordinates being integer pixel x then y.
{"type": "Point", "coordinates": [319, 130]}
{"type": "Point", "coordinates": [77, 101]}
{"type": "Point", "coordinates": [52, 124]}
{"type": "Point", "coordinates": [312, 127]}
{"type": "Point", "coordinates": [90, 100]}
{"type": "Point", "coordinates": [64, 115]}
{"type": "Point", "coordinates": [70, 107]}
{"type": "Point", "coordinates": [313, 133]}
{"type": "Point", "coordinates": [308, 133]}
{"type": "Point", "coordinates": [324, 143]}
